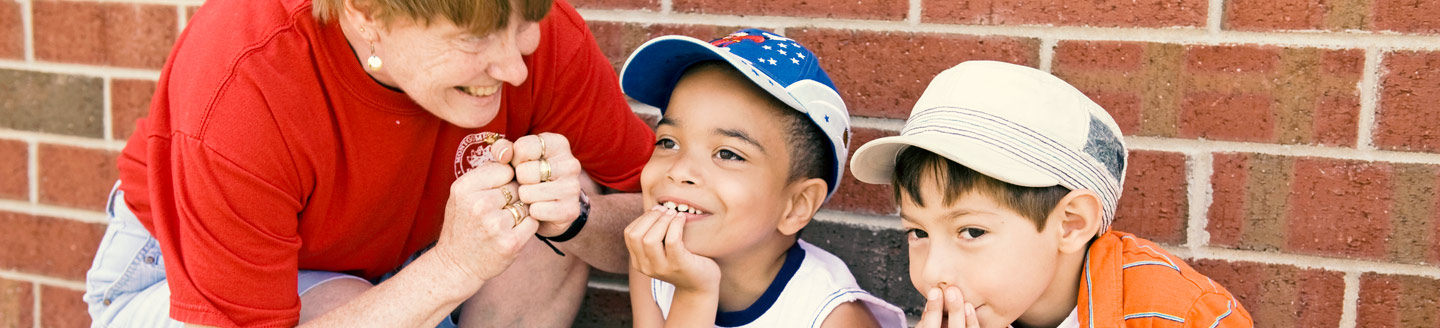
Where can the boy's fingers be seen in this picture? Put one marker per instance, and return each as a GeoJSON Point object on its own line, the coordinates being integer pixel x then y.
{"type": "Point", "coordinates": [971, 321]}
{"type": "Point", "coordinates": [634, 239]}
{"type": "Point", "coordinates": [654, 239]}
{"type": "Point", "coordinates": [955, 307]}
{"type": "Point", "coordinates": [934, 310]}
{"type": "Point", "coordinates": [674, 245]}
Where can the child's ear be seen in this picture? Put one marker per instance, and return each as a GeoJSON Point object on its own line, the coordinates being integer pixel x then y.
{"type": "Point", "coordinates": [806, 196]}
{"type": "Point", "coordinates": [1080, 215]}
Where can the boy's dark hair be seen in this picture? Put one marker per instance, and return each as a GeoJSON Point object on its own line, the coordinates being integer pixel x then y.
{"type": "Point", "coordinates": [915, 164]}
{"type": "Point", "coordinates": [810, 154]}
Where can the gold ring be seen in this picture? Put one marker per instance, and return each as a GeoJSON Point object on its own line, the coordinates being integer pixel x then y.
{"type": "Point", "coordinates": [544, 170]}
{"type": "Point", "coordinates": [542, 146]}
{"type": "Point", "coordinates": [518, 211]}
{"type": "Point", "coordinates": [509, 198]}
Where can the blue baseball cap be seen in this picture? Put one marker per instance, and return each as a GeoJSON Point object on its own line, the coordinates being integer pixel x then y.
{"type": "Point", "coordinates": [779, 65]}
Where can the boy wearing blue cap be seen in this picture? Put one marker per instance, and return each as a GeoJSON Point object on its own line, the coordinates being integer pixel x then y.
{"type": "Point", "coordinates": [752, 142]}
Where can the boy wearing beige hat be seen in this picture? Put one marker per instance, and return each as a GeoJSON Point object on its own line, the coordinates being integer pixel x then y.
{"type": "Point", "coordinates": [1008, 179]}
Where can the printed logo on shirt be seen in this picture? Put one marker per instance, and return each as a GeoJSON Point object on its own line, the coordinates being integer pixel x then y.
{"type": "Point", "coordinates": [474, 151]}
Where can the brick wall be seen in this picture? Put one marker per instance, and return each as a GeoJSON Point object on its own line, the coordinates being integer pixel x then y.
{"type": "Point", "coordinates": [1286, 148]}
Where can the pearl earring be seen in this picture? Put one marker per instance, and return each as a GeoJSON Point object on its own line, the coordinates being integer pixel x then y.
{"type": "Point", "coordinates": [374, 61]}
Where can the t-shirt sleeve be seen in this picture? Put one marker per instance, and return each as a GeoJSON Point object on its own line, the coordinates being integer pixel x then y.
{"type": "Point", "coordinates": [583, 101]}
{"type": "Point", "coordinates": [230, 240]}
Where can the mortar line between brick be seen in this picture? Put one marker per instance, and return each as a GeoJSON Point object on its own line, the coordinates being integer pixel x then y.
{"type": "Point", "coordinates": [53, 211]}
{"type": "Point", "coordinates": [27, 22]}
{"type": "Point", "coordinates": [148, 2]}
{"type": "Point", "coordinates": [1047, 53]}
{"type": "Point", "coordinates": [1215, 16]}
{"type": "Point", "coordinates": [1369, 100]}
{"type": "Point", "coordinates": [916, 9]}
{"type": "Point", "coordinates": [42, 280]}
{"type": "Point", "coordinates": [107, 114]}
{"type": "Point", "coordinates": [81, 142]}
{"type": "Point", "coordinates": [1186, 145]}
{"type": "Point", "coordinates": [609, 284]}
{"type": "Point", "coordinates": [182, 18]}
{"type": "Point", "coordinates": [1305, 261]}
{"type": "Point", "coordinates": [35, 311]}
{"type": "Point", "coordinates": [879, 222]}
{"type": "Point", "coordinates": [82, 70]}
{"type": "Point", "coordinates": [1201, 166]}
{"type": "Point", "coordinates": [1351, 302]}
{"type": "Point", "coordinates": [666, 6]}
{"type": "Point", "coordinates": [1197, 35]}
{"type": "Point", "coordinates": [32, 170]}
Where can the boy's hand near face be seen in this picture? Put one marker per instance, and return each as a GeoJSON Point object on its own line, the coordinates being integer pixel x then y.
{"type": "Point", "coordinates": [657, 250]}
{"type": "Point", "coordinates": [947, 308]}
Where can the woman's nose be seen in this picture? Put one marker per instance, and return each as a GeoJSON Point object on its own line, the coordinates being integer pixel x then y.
{"type": "Point", "coordinates": [508, 64]}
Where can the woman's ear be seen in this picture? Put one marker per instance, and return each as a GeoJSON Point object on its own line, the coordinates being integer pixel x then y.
{"type": "Point", "coordinates": [1079, 215]}
{"type": "Point", "coordinates": [805, 199]}
{"type": "Point", "coordinates": [363, 18]}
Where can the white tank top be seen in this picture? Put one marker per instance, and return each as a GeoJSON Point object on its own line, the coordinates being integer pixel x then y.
{"type": "Point", "coordinates": [811, 283]}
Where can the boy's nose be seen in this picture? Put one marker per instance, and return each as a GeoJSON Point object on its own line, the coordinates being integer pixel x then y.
{"type": "Point", "coordinates": [682, 172]}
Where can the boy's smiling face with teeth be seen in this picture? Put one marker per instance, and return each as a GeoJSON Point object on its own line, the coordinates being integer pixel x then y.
{"type": "Point", "coordinates": [721, 156]}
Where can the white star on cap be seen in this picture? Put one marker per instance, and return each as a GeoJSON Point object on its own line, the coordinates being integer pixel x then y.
{"type": "Point", "coordinates": [782, 52]}
{"type": "Point", "coordinates": [801, 55]}
{"type": "Point", "coordinates": [772, 61]}
{"type": "Point", "coordinates": [782, 45]}
{"type": "Point", "coordinates": [767, 47]}
{"type": "Point", "coordinates": [797, 61]}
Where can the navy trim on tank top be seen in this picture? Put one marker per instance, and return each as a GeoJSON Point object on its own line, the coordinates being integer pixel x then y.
{"type": "Point", "coordinates": [793, 257]}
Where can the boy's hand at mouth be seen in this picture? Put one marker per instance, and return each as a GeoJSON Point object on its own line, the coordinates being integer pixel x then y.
{"type": "Point", "coordinates": [656, 248]}
{"type": "Point", "coordinates": [945, 306]}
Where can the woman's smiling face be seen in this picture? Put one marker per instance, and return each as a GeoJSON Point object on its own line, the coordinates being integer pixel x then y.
{"type": "Point", "coordinates": [452, 73]}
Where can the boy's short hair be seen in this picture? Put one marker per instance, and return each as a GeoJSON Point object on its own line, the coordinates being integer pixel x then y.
{"type": "Point", "coordinates": [1014, 124]}
{"type": "Point", "coordinates": [915, 166]}
{"type": "Point", "coordinates": [779, 68]}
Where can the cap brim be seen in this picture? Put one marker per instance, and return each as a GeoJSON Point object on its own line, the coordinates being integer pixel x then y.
{"type": "Point", "coordinates": [650, 74]}
{"type": "Point", "coordinates": [874, 162]}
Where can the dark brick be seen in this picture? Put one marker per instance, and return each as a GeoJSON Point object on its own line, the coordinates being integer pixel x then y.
{"type": "Point", "coordinates": [61, 307]}
{"type": "Point", "coordinates": [1154, 204]}
{"type": "Point", "coordinates": [47, 246]}
{"type": "Point", "coordinates": [129, 101]}
{"type": "Point", "coordinates": [1408, 94]}
{"type": "Point", "coordinates": [51, 103]}
{"type": "Point", "coordinates": [1280, 295]}
{"type": "Point", "coordinates": [878, 258]}
{"type": "Point", "coordinates": [873, 9]}
{"type": "Point", "coordinates": [881, 74]}
{"type": "Point", "coordinates": [17, 303]}
{"type": "Point", "coordinates": [1103, 13]}
{"type": "Point", "coordinates": [14, 170]}
{"type": "Point", "coordinates": [605, 308]}
{"type": "Point", "coordinates": [76, 177]}
{"type": "Point", "coordinates": [116, 34]}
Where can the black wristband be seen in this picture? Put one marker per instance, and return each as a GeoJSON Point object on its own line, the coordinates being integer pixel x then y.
{"type": "Point", "coordinates": [575, 226]}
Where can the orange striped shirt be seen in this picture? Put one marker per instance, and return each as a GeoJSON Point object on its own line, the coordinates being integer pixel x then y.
{"type": "Point", "coordinates": [1131, 282]}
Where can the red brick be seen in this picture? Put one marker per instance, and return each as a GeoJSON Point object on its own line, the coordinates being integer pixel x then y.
{"type": "Point", "coordinates": [1407, 16]}
{"type": "Point", "coordinates": [652, 5]}
{"type": "Point", "coordinates": [860, 197]}
{"type": "Point", "coordinates": [857, 9]}
{"type": "Point", "coordinates": [62, 307]}
{"type": "Point", "coordinates": [1231, 59]}
{"type": "Point", "coordinates": [12, 33]}
{"type": "Point", "coordinates": [1280, 295]}
{"type": "Point", "coordinates": [115, 34]}
{"type": "Point", "coordinates": [1339, 208]}
{"type": "Point", "coordinates": [76, 177]}
{"type": "Point", "coordinates": [1227, 201]}
{"type": "Point", "coordinates": [1103, 13]}
{"type": "Point", "coordinates": [618, 40]}
{"type": "Point", "coordinates": [1398, 301]}
{"type": "Point", "coordinates": [1107, 72]}
{"type": "Point", "coordinates": [129, 101]}
{"type": "Point", "coordinates": [14, 170]}
{"type": "Point", "coordinates": [47, 246]}
{"type": "Point", "coordinates": [1407, 114]}
{"type": "Point", "coordinates": [881, 74]}
{"type": "Point", "coordinates": [1099, 55]}
{"type": "Point", "coordinates": [1261, 15]}
{"type": "Point", "coordinates": [1236, 117]}
{"type": "Point", "coordinates": [1154, 204]}
{"type": "Point", "coordinates": [17, 303]}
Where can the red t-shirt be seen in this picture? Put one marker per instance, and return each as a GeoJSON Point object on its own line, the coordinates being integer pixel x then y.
{"type": "Point", "coordinates": [268, 150]}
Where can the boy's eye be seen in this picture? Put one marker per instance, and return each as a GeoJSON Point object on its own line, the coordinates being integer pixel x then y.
{"type": "Point", "coordinates": [728, 155]}
{"type": "Point", "coordinates": [916, 233]}
{"type": "Point", "coordinates": [972, 233]}
{"type": "Point", "coordinates": [666, 143]}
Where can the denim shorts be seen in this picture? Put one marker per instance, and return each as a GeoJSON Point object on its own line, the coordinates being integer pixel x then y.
{"type": "Point", "coordinates": [126, 286]}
